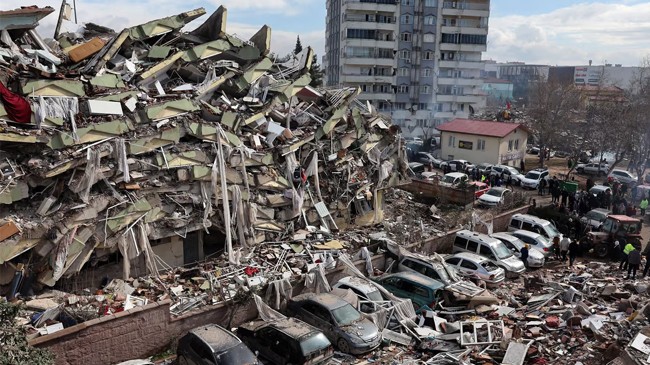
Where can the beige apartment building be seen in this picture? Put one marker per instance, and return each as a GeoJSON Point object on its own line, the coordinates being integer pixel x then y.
{"type": "Point", "coordinates": [480, 141]}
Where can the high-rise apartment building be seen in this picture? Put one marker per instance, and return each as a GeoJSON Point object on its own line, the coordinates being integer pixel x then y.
{"type": "Point", "coordinates": [417, 60]}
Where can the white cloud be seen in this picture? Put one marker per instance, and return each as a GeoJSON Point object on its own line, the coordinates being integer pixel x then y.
{"type": "Point", "coordinates": [616, 33]}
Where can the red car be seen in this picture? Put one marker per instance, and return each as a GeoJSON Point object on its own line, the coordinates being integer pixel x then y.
{"type": "Point", "coordinates": [480, 188]}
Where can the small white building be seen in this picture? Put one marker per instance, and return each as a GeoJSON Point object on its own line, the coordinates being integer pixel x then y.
{"type": "Point", "coordinates": [481, 141]}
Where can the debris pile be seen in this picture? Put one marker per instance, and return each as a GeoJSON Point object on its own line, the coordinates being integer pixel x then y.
{"type": "Point", "coordinates": [112, 141]}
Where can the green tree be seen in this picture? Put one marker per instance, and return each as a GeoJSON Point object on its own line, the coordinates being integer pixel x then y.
{"type": "Point", "coordinates": [298, 47]}
{"type": "Point", "coordinates": [316, 73]}
{"type": "Point", "coordinates": [14, 349]}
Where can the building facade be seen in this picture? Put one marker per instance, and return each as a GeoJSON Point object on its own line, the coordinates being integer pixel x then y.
{"type": "Point", "coordinates": [417, 60]}
{"type": "Point", "coordinates": [483, 142]}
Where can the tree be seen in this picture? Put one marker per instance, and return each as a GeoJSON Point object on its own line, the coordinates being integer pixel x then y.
{"type": "Point", "coordinates": [14, 349]}
{"type": "Point", "coordinates": [298, 47]}
{"type": "Point", "coordinates": [316, 73]}
{"type": "Point", "coordinates": [639, 109]}
{"type": "Point", "coordinates": [553, 106]}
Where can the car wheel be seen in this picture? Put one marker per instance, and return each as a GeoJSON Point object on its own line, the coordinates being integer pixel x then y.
{"type": "Point", "coordinates": [343, 346]}
{"type": "Point", "coordinates": [601, 251]}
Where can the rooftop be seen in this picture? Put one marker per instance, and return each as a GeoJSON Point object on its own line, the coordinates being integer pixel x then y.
{"type": "Point", "coordinates": [481, 127]}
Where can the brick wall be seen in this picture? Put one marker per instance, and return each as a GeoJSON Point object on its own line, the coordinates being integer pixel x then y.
{"type": "Point", "coordinates": [144, 331]}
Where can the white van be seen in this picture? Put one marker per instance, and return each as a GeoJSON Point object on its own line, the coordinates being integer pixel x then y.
{"type": "Point", "coordinates": [531, 223]}
{"type": "Point", "coordinates": [489, 247]}
{"type": "Point", "coordinates": [454, 179]}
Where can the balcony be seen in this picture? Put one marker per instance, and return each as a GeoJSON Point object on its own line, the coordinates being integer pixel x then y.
{"type": "Point", "coordinates": [356, 42]}
{"type": "Point", "coordinates": [471, 65]}
{"type": "Point", "coordinates": [461, 81]}
{"type": "Point", "coordinates": [367, 61]}
{"type": "Point", "coordinates": [371, 7]}
{"type": "Point", "coordinates": [463, 47]}
{"type": "Point", "coordinates": [347, 78]}
{"type": "Point", "coordinates": [376, 96]}
{"type": "Point", "coordinates": [455, 8]}
{"type": "Point", "coordinates": [370, 25]}
{"type": "Point", "coordinates": [466, 30]}
{"type": "Point", "coordinates": [472, 99]}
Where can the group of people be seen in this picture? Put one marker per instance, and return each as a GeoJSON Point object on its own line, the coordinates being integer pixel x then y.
{"type": "Point", "coordinates": [501, 179]}
{"type": "Point", "coordinates": [566, 248]}
{"type": "Point", "coordinates": [631, 258]}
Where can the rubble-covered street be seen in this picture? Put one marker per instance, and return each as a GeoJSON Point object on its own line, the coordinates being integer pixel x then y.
{"type": "Point", "coordinates": [158, 165]}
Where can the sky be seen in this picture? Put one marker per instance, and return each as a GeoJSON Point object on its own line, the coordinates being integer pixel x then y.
{"type": "Point", "coordinates": [553, 32]}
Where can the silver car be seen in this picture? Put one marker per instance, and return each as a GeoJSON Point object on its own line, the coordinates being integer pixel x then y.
{"type": "Point", "coordinates": [473, 265]}
{"type": "Point", "coordinates": [343, 325]}
{"type": "Point", "coordinates": [536, 241]}
{"type": "Point", "coordinates": [514, 244]}
{"type": "Point", "coordinates": [595, 217]}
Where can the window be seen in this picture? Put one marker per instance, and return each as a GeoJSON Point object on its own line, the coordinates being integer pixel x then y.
{"type": "Point", "coordinates": [406, 19]}
{"type": "Point", "coordinates": [385, 53]}
{"type": "Point", "coordinates": [423, 106]}
{"type": "Point", "coordinates": [480, 145]}
{"type": "Point", "coordinates": [527, 226]}
{"type": "Point", "coordinates": [429, 20]}
{"type": "Point", "coordinates": [516, 223]}
{"type": "Point", "coordinates": [485, 251]}
{"type": "Point", "coordinates": [453, 261]}
{"type": "Point", "coordinates": [405, 54]}
{"type": "Point", "coordinates": [460, 242]}
{"type": "Point", "coordinates": [472, 245]}
{"type": "Point", "coordinates": [429, 37]}
{"type": "Point", "coordinates": [428, 55]}
{"type": "Point", "coordinates": [468, 265]}
{"type": "Point", "coordinates": [405, 37]}
{"type": "Point", "coordinates": [201, 349]}
{"type": "Point", "coordinates": [431, 3]}
{"type": "Point", "coordinates": [452, 141]}
{"type": "Point", "coordinates": [407, 2]}
{"type": "Point", "coordinates": [362, 34]}
{"type": "Point", "coordinates": [399, 106]}
{"type": "Point", "coordinates": [425, 89]}
{"type": "Point", "coordinates": [426, 72]}
{"type": "Point", "coordinates": [516, 144]}
{"type": "Point", "coordinates": [510, 144]}
{"type": "Point", "coordinates": [402, 89]}
{"type": "Point", "coordinates": [403, 71]}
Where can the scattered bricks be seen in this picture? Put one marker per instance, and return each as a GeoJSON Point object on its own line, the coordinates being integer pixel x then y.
{"type": "Point", "coordinates": [608, 290]}
{"type": "Point", "coordinates": [553, 322]}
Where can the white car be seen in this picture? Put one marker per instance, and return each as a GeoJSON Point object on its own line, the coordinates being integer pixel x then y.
{"type": "Point", "coordinates": [514, 244]}
{"type": "Point", "coordinates": [533, 177]}
{"type": "Point", "coordinates": [495, 196]}
{"type": "Point", "coordinates": [453, 179]}
{"type": "Point", "coordinates": [473, 265]}
{"type": "Point", "coordinates": [623, 176]}
{"type": "Point", "coordinates": [595, 218]}
{"type": "Point", "coordinates": [497, 170]}
{"type": "Point", "coordinates": [536, 241]}
{"type": "Point", "coordinates": [599, 169]}
{"type": "Point", "coordinates": [456, 165]}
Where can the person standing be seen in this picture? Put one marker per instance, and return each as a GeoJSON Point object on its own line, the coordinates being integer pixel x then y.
{"type": "Point", "coordinates": [556, 247]}
{"type": "Point", "coordinates": [624, 258]}
{"type": "Point", "coordinates": [524, 254]}
{"type": "Point", "coordinates": [574, 247]}
{"type": "Point", "coordinates": [643, 205]}
{"type": "Point", "coordinates": [564, 247]}
{"type": "Point", "coordinates": [522, 166]}
{"type": "Point", "coordinates": [646, 253]}
{"type": "Point", "coordinates": [634, 260]}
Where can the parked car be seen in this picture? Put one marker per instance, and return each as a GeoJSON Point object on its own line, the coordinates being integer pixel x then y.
{"type": "Point", "coordinates": [480, 188]}
{"type": "Point", "coordinates": [533, 150]}
{"type": "Point", "coordinates": [596, 189]}
{"type": "Point", "coordinates": [453, 179]}
{"type": "Point", "coordinates": [533, 177]}
{"type": "Point", "coordinates": [531, 223]}
{"type": "Point", "coordinates": [365, 290]}
{"type": "Point", "coordinates": [435, 268]}
{"type": "Point", "coordinates": [623, 176]}
{"type": "Point", "coordinates": [599, 169]}
{"type": "Point", "coordinates": [286, 341]}
{"type": "Point", "coordinates": [473, 265]}
{"type": "Point", "coordinates": [495, 196]}
{"type": "Point", "coordinates": [484, 168]}
{"type": "Point", "coordinates": [516, 176]}
{"type": "Point", "coordinates": [595, 218]}
{"type": "Point", "coordinates": [339, 320]}
{"type": "Point", "coordinates": [536, 241]}
{"type": "Point", "coordinates": [213, 345]}
{"type": "Point", "coordinates": [456, 165]}
{"type": "Point", "coordinates": [491, 248]}
{"type": "Point", "coordinates": [535, 257]}
{"type": "Point", "coordinates": [427, 159]}
{"type": "Point", "coordinates": [420, 289]}
{"type": "Point", "coordinates": [416, 167]}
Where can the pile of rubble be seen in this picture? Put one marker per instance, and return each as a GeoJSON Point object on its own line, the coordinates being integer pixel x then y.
{"type": "Point", "coordinates": [111, 140]}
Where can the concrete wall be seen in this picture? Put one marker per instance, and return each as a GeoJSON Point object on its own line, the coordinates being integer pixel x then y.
{"type": "Point", "coordinates": [170, 251]}
{"type": "Point", "coordinates": [489, 155]}
{"type": "Point", "coordinates": [522, 136]}
{"type": "Point", "coordinates": [145, 331]}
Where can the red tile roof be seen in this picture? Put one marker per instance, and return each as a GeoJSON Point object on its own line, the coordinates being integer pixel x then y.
{"type": "Point", "coordinates": [481, 127]}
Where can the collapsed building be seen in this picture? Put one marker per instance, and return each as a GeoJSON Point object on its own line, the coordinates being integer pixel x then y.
{"type": "Point", "coordinates": [157, 147]}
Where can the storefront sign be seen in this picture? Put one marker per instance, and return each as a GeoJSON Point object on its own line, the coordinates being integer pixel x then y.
{"type": "Point", "coordinates": [465, 145]}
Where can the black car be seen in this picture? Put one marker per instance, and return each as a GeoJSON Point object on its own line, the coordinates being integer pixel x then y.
{"type": "Point", "coordinates": [287, 341]}
{"type": "Point", "coordinates": [213, 345]}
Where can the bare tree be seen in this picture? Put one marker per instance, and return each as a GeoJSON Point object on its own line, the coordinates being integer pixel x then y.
{"type": "Point", "coordinates": [639, 109]}
{"type": "Point", "coordinates": [553, 106]}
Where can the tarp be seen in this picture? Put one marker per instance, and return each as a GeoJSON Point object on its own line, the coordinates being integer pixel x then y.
{"type": "Point", "coordinates": [18, 109]}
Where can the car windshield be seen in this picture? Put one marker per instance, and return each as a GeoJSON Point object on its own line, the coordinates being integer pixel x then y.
{"type": "Point", "coordinates": [239, 354]}
{"type": "Point", "coordinates": [346, 315]}
{"type": "Point", "coordinates": [449, 179]}
{"type": "Point", "coordinates": [313, 343]}
{"type": "Point", "coordinates": [489, 266]}
{"type": "Point", "coordinates": [375, 296]}
{"type": "Point", "coordinates": [501, 251]}
{"type": "Point", "coordinates": [495, 192]}
{"type": "Point", "coordinates": [532, 175]}
{"type": "Point", "coordinates": [551, 231]}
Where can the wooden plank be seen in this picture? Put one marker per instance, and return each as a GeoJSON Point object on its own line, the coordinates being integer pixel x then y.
{"type": "Point", "coordinates": [8, 229]}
